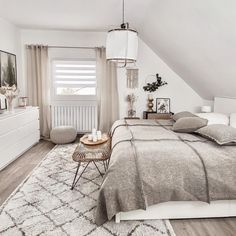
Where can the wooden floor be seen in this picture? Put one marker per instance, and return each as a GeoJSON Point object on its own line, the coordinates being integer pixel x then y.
{"type": "Point", "coordinates": [17, 171]}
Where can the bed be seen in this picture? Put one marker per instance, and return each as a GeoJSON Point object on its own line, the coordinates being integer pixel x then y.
{"type": "Point", "coordinates": [155, 173]}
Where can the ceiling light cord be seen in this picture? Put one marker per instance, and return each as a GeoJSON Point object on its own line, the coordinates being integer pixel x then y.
{"type": "Point", "coordinates": [123, 25]}
{"type": "Point", "coordinates": [123, 12]}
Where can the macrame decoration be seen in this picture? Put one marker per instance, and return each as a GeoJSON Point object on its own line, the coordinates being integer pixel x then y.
{"type": "Point", "coordinates": [132, 77]}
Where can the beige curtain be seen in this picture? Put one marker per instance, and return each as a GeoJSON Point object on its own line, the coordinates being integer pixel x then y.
{"type": "Point", "coordinates": [107, 92]}
{"type": "Point", "coordinates": [38, 84]}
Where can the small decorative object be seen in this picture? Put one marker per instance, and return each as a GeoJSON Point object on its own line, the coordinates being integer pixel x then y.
{"type": "Point", "coordinates": [132, 77]}
{"type": "Point", "coordinates": [163, 105]}
{"type": "Point", "coordinates": [90, 137]}
{"type": "Point", "coordinates": [23, 102]}
{"type": "Point", "coordinates": [95, 138]}
{"type": "Point", "coordinates": [3, 104]}
{"type": "Point", "coordinates": [206, 109]}
{"type": "Point", "coordinates": [99, 135]}
{"type": "Point", "coordinates": [150, 103]}
{"type": "Point", "coordinates": [152, 87]}
{"type": "Point", "coordinates": [7, 69]}
{"type": "Point", "coordinates": [10, 92]}
{"type": "Point", "coordinates": [131, 98]}
{"type": "Point", "coordinates": [94, 132]}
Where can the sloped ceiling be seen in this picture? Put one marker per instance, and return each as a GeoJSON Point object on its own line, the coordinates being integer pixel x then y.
{"type": "Point", "coordinates": [196, 38]}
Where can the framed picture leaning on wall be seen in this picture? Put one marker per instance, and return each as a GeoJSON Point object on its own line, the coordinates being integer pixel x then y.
{"type": "Point", "coordinates": [163, 105]}
{"type": "Point", "coordinates": [8, 70]}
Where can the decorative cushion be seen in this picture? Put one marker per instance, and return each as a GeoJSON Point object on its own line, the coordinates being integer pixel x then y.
{"type": "Point", "coordinates": [63, 134]}
{"type": "Point", "coordinates": [189, 124]}
{"type": "Point", "coordinates": [233, 120]}
{"type": "Point", "coordinates": [222, 134]}
{"type": "Point", "coordinates": [183, 114]}
{"type": "Point", "coordinates": [214, 118]}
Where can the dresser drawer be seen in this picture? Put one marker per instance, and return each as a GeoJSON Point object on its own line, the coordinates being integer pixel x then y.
{"type": "Point", "coordinates": [157, 116]}
{"type": "Point", "coordinates": [18, 132]}
{"type": "Point", "coordinates": [17, 135]}
{"type": "Point", "coordinates": [18, 120]}
{"type": "Point", "coordinates": [11, 153]}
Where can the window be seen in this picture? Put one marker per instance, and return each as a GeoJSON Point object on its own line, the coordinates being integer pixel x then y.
{"type": "Point", "coordinates": [74, 79]}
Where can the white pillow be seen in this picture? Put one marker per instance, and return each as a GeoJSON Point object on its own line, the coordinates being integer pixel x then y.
{"type": "Point", "coordinates": [233, 120]}
{"type": "Point", "coordinates": [215, 118]}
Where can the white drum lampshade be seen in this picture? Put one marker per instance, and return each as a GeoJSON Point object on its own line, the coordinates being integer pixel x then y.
{"type": "Point", "coordinates": [122, 45]}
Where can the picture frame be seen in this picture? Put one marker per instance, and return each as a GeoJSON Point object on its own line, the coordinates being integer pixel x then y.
{"type": "Point", "coordinates": [163, 105]}
{"type": "Point", "coordinates": [8, 69]}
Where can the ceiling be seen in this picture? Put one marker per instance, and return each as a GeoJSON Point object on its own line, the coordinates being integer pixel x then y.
{"type": "Point", "coordinates": [72, 14]}
{"type": "Point", "coordinates": [197, 39]}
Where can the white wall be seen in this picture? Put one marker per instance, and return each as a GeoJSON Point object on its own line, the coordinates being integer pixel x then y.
{"type": "Point", "coordinates": [10, 42]}
{"type": "Point", "coordinates": [182, 96]}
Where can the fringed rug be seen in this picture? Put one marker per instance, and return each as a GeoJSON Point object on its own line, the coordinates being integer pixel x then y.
{"type": "Point", "coordinates": [44, 204]}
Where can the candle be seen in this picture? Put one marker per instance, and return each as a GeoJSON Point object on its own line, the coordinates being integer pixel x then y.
{"type": "Point", "coordinates": [95, 138]}
{"type": "Point", "coordinates": [94, 131]}
{"type": "Point", "coordinates": [90, 137]}
{"type": "Point", "coordinates": [99, 135]}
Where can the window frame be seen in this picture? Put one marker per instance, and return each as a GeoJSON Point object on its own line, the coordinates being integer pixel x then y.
{"type": "Point", "coordinates": [55, 97]}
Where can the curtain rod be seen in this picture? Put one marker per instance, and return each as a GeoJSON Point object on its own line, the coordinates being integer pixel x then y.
{"type": "Point", "coordinates": [54, 46]}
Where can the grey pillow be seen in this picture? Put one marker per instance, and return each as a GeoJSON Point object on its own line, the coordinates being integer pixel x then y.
{"type": "Point", "coordinates": [222, 134]}
{"type": "Point", "coordinates": [182, 115]}
{"type": "Point", "coordinates": [189, 124]}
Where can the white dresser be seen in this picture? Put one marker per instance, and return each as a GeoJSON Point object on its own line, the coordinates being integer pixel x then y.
{"type": "Point", "coordinates": [18, 132]}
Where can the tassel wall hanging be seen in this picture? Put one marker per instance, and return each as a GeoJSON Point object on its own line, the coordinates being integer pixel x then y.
{"type": "Point", "coordinates": [132, 78]}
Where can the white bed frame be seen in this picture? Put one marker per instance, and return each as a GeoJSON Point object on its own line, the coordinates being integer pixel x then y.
{"type": "Point", "coordinates": [182, 210]}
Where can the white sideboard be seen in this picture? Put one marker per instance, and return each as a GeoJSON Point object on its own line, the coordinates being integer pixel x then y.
{"type": "Point", "coordinates": [18, 132]}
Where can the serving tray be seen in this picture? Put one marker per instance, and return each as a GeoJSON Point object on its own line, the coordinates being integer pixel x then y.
{"type": "Point", "coordinates": [85, 140]}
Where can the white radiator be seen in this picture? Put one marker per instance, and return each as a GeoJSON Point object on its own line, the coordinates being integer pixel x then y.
{"type": "Point", "coordinates": [81, 117]}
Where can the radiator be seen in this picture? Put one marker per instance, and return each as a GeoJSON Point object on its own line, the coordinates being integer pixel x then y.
{"type": "Point", "coordinates": [81, 117]}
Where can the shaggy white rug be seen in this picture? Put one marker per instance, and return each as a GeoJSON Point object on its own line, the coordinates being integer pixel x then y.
{"type": "Point", "coordinates": [44, 204]}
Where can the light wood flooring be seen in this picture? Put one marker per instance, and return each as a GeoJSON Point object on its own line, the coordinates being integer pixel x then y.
{"type": "Point", "coordinates": [17, 171]}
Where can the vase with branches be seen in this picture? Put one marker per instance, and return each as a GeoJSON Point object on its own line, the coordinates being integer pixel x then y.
{"type": "Point", "coordinates": [10, 92]}
{"type": "Point", "coordinates": [131, 99]}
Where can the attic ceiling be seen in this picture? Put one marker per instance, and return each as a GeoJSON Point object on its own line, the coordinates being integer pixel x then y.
{"type": "Point", "coordinates": [197, 39]}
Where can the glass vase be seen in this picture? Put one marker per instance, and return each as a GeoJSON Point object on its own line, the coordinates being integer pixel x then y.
{"type": "Point", "coordinates": [10, 107]}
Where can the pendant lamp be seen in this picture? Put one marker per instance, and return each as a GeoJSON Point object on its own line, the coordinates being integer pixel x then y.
{"type": "Point", "coordinates": [122, 44]}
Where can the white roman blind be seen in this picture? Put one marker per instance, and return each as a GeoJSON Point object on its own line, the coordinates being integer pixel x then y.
{"type": "Point", "coordinates": [74, 79]}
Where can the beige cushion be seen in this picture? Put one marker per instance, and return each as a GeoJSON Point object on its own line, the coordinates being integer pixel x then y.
{"type": "Point", "coordinates": [63, 134]}
{"type": "Point", "coordinates": [183, 114]}
{"type": "Point", "coordinates": [189, 124]}
{"type": "Point", "coordinates": [222, 134]}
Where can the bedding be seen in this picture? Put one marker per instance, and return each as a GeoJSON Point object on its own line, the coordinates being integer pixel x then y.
{"type": "Point", "coordinates": [222, 134]}
{"type": "Point", "coordinates": [151, 164]}
{"type": "Point", "coordinates": [189, 124]}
